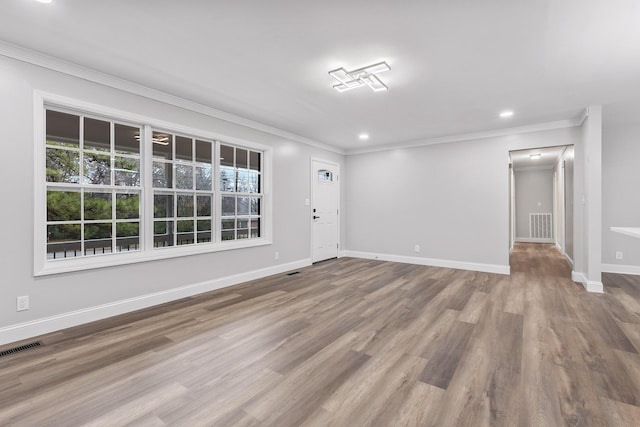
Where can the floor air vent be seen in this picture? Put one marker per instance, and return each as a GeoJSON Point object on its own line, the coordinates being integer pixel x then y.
{"type": "Point", "coordinates": [291, 274]}
{"type": "Point", "coordinates": [19, 349]}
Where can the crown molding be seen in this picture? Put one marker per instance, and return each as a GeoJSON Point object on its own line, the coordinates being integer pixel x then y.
{"type": "Point", "coordinates": [559, 124]}
{"type": "Point", "coordinates": [45, 61]}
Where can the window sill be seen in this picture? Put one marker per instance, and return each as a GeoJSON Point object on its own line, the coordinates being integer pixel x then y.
{"type": "Point", "coordinates": [112, 260]}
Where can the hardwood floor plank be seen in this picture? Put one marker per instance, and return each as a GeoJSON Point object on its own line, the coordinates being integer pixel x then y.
{"type": "Point", "coordinates": [443, 361]}
{"type": "Point", "coordinates": [350, 342]}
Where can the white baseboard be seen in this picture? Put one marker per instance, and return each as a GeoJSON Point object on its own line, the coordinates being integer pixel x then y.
{"type": "Point", "coordinates": [589, 285]}
{"type": "Point", "coordinates": [621, 269]}
{"type": "Point", "coordinates": [533, 240]}
{"type": "Point", "coordinates": [569, 260]}
{"type": "Point", "coordinates": [34, 328]}
{"type": "Point", "coordinates": [487, 268]}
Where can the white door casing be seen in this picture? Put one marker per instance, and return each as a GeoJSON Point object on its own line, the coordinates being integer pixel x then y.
{"type": "Point", "coordinates": [325, 195]}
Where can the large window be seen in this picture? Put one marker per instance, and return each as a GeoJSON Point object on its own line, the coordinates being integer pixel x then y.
{"type": "Point", "coordinates": [93, 186]}
{"type": "Point", "coordinates": [183, 196]}
{"type": "Point", "coordinates": [240, 185]}
{"type": "Point", "coordinates": [127, 188]}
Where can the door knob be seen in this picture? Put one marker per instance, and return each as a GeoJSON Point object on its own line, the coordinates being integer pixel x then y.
{"type": "Point", "coordinates": [315, 217]}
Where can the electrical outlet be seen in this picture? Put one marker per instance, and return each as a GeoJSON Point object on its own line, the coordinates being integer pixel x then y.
{"type": "Point", "coordinates": [276, 255]}
{"type": "Point", "coordinates": [416, 248]}
{"type": "Point", "coordinates": [22, 303]}
{"type": "Point", "coordinates": [619, 255]}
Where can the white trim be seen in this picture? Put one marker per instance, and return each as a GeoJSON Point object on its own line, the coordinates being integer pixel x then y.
{"type": "Point", "coordinates": [471, 136]}
{"type": "Point", "coordinates": [621, 269]}
{"type": "Point", "coordinates": [568, 258]}
{"type": "Point", "coordinates": [42, 267]}
{"type": "Point", "coordinates": [589, 285]}
{"type": "Point", "coordinates": [533, 240]}
{"type": "Point", "coordinates": [32, 57]}
{"type": "Point", "coordinates": [46, 325]}
{"type": "Point", "coordinates": [460, 265]}
{"type": "Point", "coordinates": [628, 231]}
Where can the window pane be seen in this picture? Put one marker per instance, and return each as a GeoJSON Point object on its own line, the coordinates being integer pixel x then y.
{"type": "Point", "coordinates": [185, 226]}
{"type": "Point", "coordinates": [63, 206]}
{"type": "Point", "coordinates": [203, 178]}
{"type": "Point", "coordinates": [204, 225]}
{"type": "Point", "coordinates": [255, 228]}
{"type": "Point", "coordinates": [185, 232]}
{"type": "Point", "coordinates": [162, 145]}
{"type": "Point", "coordinates": [227, 180]}
{"type": "Point", "coordinates": [228, 224]}
{"type": "Point", "coordinates": [63, 129]}
{"type": "Point", "coordinates": [63, 241]}
{"type": "Point", "coordinates": [243, 229]}
{"type": "Point", "coordinates": [97, 135]}
{"type": "Point", "coordinates": [127, 206]}
{"type": "Point", "coordinates": [127, 139]}
{"type": "Point", "coordinates": [185, 205]}
{"type": "Point", "coordinates": [203, 151]}
{"type": "Point", "coordinates": [127, 172]}
{"type": "Point", "coordinates": [255, 206]}
{"type": "Point", "coordinates": [228, 235]}
{"type": "Point", "coordinates": [97, 238]}
{"type": "Point", "coordinates": [184, 148]}
{"type": "Point", "coordinates": [97, 169]}
{"type": "Point", "coordinates": [226, 155]}
{"type": "Point", "coordinates": [162, 205]}
{"type": "Point", "coordinates": [228, 206]}
{"type": "Point", "coordinates": [254, 182]}
{"type": "Point", "coordinates": [243, 182]}
{"type": "Point", "coordinates": [243, 205]}
{"type": "Point", "coordinates": [127, 236]}
{"type": "Point", "coordinates": [254, 161]}
{"type": "Point", "coordinates": [184, 176]}
{"type": "Point", "coordinates": [97, 206]}
{"type": "Point", "coordinates": [162, 175]}
{"type": "Point", "coordinates": [204, 236]}
{"type": "Point", "coordinates": [241, 158]}
{"type": "Point", "coordinates": [204, 206]}
{"type": "Point", "coordinates": [163, 233]}
{"type": "Point", "coordinates": [63, 166]}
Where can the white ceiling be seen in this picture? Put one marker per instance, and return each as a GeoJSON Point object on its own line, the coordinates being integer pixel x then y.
{"type": "Point", "coordinates": [521, 159]}
{"type": "Point", "coordinates": [454, 63]}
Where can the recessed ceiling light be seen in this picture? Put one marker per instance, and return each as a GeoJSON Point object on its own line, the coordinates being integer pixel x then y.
{"type": "Point", "coordinates": [365, 76]}
{"type": "Point", "coordinates": [506, 114]}
{"type": "Point", "coordinates": [44, 1]}
{"type": "Point", "coordinates": [535, 156]}
{"type": "Point", "coordinates": [363, 136]}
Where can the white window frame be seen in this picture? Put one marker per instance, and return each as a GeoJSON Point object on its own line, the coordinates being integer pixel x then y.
{"type": "Point", "coordinates": [42, 266]}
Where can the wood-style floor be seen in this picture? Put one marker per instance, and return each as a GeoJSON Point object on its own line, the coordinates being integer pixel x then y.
{"type": "Point", "coordinates": [350, 342]}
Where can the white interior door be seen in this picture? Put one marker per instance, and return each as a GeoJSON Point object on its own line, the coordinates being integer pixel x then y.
{"type": "Point", "coordinates": [325, 194]}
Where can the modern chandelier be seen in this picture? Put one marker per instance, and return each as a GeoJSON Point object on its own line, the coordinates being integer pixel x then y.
{"type": "Point", "coordinates": [365, 76]}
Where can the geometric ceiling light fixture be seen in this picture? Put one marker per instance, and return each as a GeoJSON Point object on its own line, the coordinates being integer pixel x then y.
{"type": "Point", "coordinates": [365, 76]}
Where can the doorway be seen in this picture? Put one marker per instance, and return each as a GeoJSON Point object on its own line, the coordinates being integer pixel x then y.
{"type": "Point", "coordinates": [541, 197]}
{"type": "Point", "coordinates": [325, 210]}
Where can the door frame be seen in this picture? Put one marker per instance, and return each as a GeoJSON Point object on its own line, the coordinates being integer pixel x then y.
{"type": "Point", "coordinates": [310, 210]}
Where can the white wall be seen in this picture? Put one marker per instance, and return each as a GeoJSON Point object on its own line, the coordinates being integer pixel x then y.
{"type": "Point", "coordinates": [587, 268]}
{"type": "Point", "coordinates": [620, 196]}
{"type": "Point", "coordinates": [53, 297]}
{"type": "Point", "coordinates": [569, 201]}
{"type": "Point", "coordinates": [534, 194]}
{"type": "Point", "coordinates": [451, 199]}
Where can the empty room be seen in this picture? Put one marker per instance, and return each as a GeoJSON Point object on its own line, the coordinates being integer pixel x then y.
{"type": "Point", "coordinates": [292, 213]}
